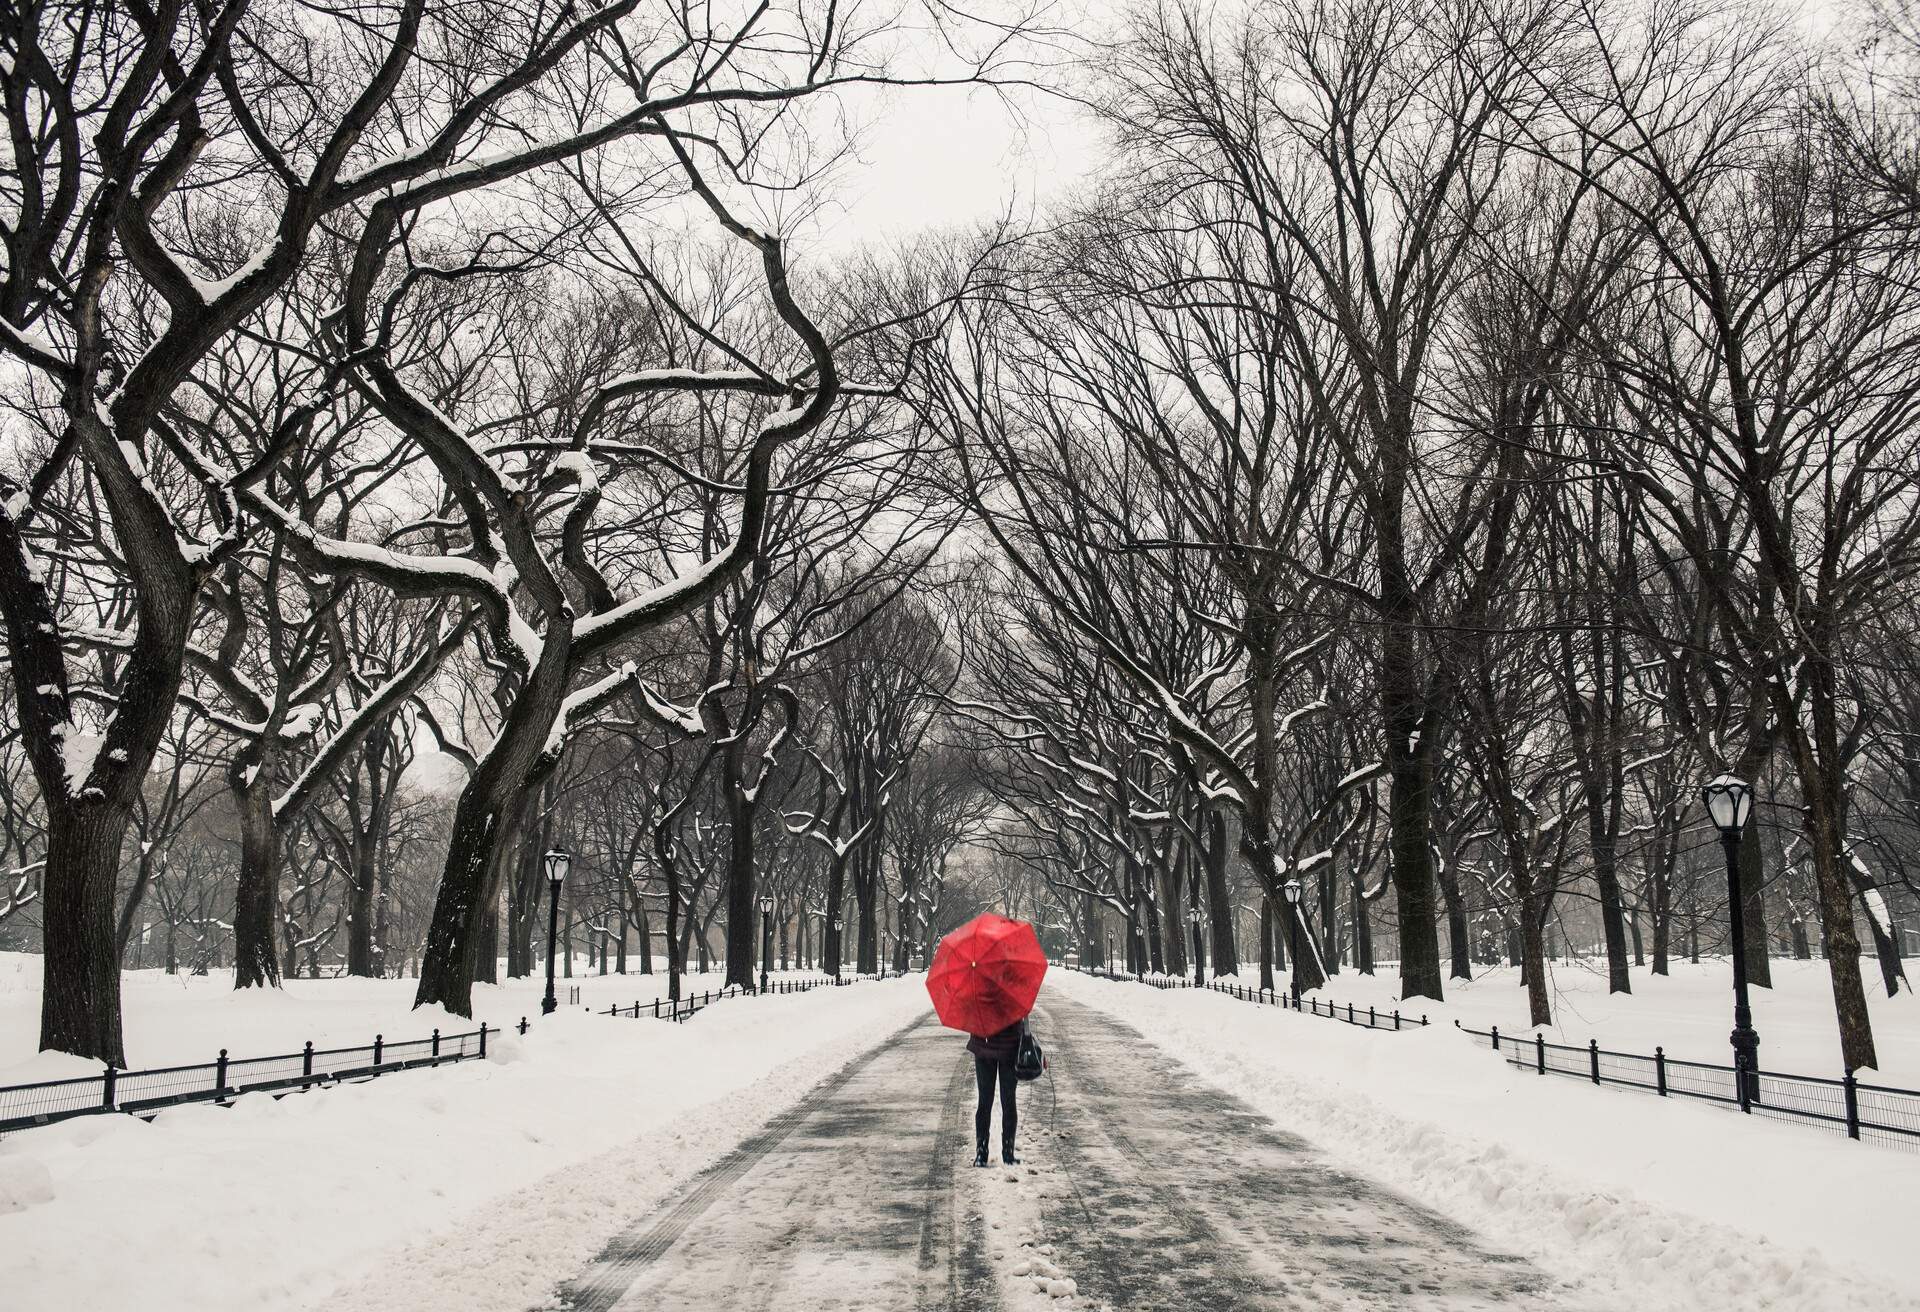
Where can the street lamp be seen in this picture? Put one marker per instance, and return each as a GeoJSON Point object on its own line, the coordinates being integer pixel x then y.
{"type": "Point", "coordinates": [766, 938]}
{"type": "Point", "coordinates": [557, 862]}
{"type": "Point", "coordinates": [1729, 801]}
{"type": "Point", "coordinates": [1199, 960]}
{"type": "Point", "coordinates": [1292, 890]}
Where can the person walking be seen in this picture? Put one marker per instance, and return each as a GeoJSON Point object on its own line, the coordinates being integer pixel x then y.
{"type": "Point", "coordinates": [983, 981]}
{"type": "Point", "coordinates": [993, 1056]}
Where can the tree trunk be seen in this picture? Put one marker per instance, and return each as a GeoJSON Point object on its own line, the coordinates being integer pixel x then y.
{"type": "Point", "coordinates": [257, 896]}
{"type": "Point", "coordinates": [1266, 944]}
{"type": "Point", "coordinates": [866, 877]}
{"type": "Point", "coordinates": [1459, 934]}
{"type": "Point", "coordinates": [1362, 929]}
{"type": "Point", "coordinates": [1753, 906]}
{"type": "Point", "coordinates": [1409, 818]}
{"type": "Point", "coordinates": [1226, 955]}
{"type": "Point", "coordinates": [80, 999]}
{"type": "Point", "coordinates": [743, 919]}
{"type": "Point", "coordinates": [1660, 911]}
{"type": "Point", "coordinates": [1533, 944]}
{"type": "Point", "coordinates": [1820, 770]}
{"type": "Point", "coordinates": [1612, 908]}
{"type": "Point", "coordinates": [1329, 919]}
{"type": "Point", "coordinates": [364, 876]}
{"type": "Point", "coordinates": [459, 910]}
{"type": "Point", "coordinates": [1153, 925]}
{"type": "Point", "coordinates": [1173, 917]}
{"type": "Point", "coordinates": [831, 953]}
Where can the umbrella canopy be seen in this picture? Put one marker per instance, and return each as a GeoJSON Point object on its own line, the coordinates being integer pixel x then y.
{"type": "Point", "coordinates": [986, 974]}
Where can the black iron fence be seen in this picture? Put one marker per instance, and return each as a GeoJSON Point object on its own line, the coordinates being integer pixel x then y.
{"type": "Point", "coordinates": [145, 1092]}
{"type": "Point", "coordinates": [692, 1004]}
{"type": "Point", "coordinates": [668, 1009]}
{"type": "Point", "coordinates": [1871, 1112]}
{"type": "Point", "coordinates": [1367, 1018]}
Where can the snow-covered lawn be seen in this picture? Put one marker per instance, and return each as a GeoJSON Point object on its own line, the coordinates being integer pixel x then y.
{"type": "Point", "coordinates": [1689, 1012]}
{"type": "Point", "coordinates": [172, 1019]}
{"type": "Point", "coordinates": [411, 1188]}
{"type": "Point", "coordinates": [1646, 1202]}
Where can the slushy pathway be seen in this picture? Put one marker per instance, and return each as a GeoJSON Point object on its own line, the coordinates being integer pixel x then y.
{"type": "Point", "coordinates": [1143, 1190]}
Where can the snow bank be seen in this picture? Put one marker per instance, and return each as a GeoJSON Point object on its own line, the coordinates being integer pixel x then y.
{"type": "Point", "coordinates": [1689, 1012]}
{"type": "Point", "coordinates": [174, 1019]}
{"type": "Point", "coordinates": [1643, 1201]}
{"type": "Point", "coordinates": [476, 1186]}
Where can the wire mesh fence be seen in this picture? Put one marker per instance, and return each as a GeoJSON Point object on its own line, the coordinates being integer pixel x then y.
{"type": "Point", "coordinates": [143, 1092]}
{"type": "Point", "coordinates": [1868, 1112]}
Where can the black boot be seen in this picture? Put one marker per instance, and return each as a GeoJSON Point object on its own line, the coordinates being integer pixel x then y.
{"type": "Point", "coordinates": [980, 1154]}
{"type": "Point", "coordinates": [1006, 1152]}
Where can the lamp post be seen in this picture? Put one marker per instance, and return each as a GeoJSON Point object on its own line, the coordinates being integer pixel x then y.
{"type": "Point", "coordinates": [1199, 961]}
{"type": "Point", "coordinates": [1729, 801]}
{"type": "Point", "coordinates": [766, 938]}
{"type": "Point", "coordinates": [1292, 890]}
{"type": "Point", "coordinates": [558, 860]}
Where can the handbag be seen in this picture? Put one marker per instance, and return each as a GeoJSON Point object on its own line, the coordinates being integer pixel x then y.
{"type": "Point", "coordinates": [1029, 1060]}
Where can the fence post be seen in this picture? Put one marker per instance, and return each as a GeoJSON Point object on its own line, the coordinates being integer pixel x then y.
{"type": "Point", "coordinates": [1496, 1038]}
{"type": "Point", "coordinates": [523, 1027]}
{"type": "Point", "coordinates": [1349, 1013]}
{"type": "Point", "coordinates": [1396, 1019]}
{"type": "Point", "coordinates": [1852, 1088]}
{"type": "Point", "coordinates": [379, 1042]}
{"type": "Point", "coordinates": [1369, 1017]}
{"type": "Point", "coordinates": [436, 1044]}
{"type": "Point", "coordinates": [306, 1061]}
{"type": "Point", "coordinates": [1660, 1070]}
{"type": "Point", "coordinates": [220, 1073]}
{"type": "Point", "coordinates": [1593, 1058]}
{"type": "Point", "coordinates": [106, 1088]}
{"type": "Point", "coordinates": [656, 1009]}
{"type": "Point", "coordinates": [483, 1040]}
{"type": "Point", "coordinates": [1540, 1053]}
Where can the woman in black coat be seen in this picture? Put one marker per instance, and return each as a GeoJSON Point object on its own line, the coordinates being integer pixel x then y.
{"type": "Point", "coordinates": [993, 1056]}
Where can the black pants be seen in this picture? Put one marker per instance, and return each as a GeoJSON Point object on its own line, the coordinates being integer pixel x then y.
{"type": "Point", "coordinates": [985, 1071]}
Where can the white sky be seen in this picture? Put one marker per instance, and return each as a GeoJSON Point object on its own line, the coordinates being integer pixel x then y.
{"type": "Point", "coordinates": [941, 157]}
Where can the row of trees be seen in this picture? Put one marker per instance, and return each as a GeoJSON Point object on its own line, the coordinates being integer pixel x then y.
{"type": "Point", "coordinates": [431, 367]}
{"type": "Point", "coordinates": [1447, 431]}
{"type": "Point", "coordinates": [1455, 431]}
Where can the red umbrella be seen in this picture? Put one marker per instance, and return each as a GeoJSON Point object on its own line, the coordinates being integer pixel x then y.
{"type": "Point", "coordinates": [986, 974]}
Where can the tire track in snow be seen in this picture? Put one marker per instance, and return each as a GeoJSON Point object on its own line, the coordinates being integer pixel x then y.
{"type": "Point", "coordinates": [630, 1253]}
{"type": "Point", "coordinates": [1184, 1197]}
{"type": "Point", "coordinates": [847, 1198]}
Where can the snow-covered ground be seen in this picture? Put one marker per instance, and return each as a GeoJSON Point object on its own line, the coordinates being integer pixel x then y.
{"type": "Point", "coordinates": [521, 1164]}
{"type": "Point", "coordinates": [1689, 1012]}
{"type": "Point", "coordinates": [1639, 1200]}
{"type": "Point", "coordinates": [173, 1019]}
{"type": "Point", "coordinates": [439, 1189]}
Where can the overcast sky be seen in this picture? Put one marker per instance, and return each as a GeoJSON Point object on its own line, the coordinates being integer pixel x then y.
{"type": "Point", "coordinates": [940, 157]}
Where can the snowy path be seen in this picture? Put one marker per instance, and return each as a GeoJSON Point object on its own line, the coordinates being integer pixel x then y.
{"type": "Point", "coordinates": [1147, 1189]}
